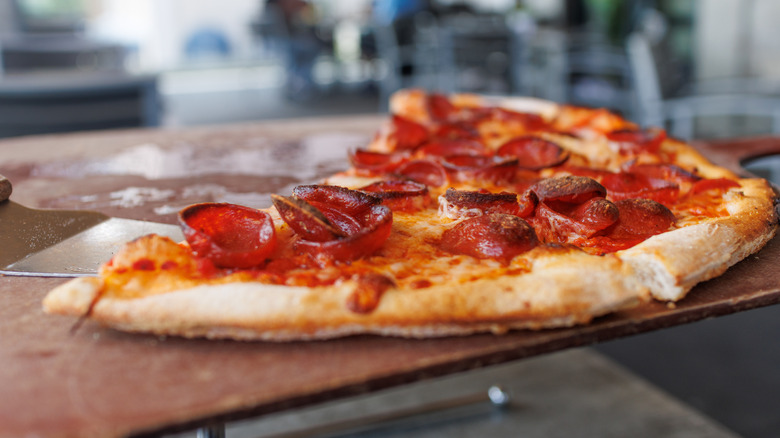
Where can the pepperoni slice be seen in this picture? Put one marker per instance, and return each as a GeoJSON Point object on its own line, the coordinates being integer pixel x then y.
{"type": "Point", "coordinates": [596, 214]}
{"type": "Point", "coordinates": [571, 188]}
{"type": "Point", "coordinates": [490, 236]}
{"type": "Point", "coordinates": [445, 147]}
{"type": "Point", "coordinates": [456, 204]}
{"type": "Point", "coordinates": [665, 172]}
{"type": "Point", "coordinates": [351, 202]}
{"type": "Point", "coordinates": [406, 133]}
{"type": "Point", "coordinates": [717, 184]}
{"type": "Point", "coordinates": [480, 167]}
{"type": "Point", "coordinates": [627, 185]}
{"type": "Point", "coordinates": [642, 217]}
{"type": "Point", "coordinates": [230, 236]}
{"type": "Point", "coordinates": [363, 222]}
{"type": "Point", "coordinates": [427, 172]}
{"type": "Point", "coordinates": [534, 153]}
{"type": "Point", "coordinates": [376, 226]}
{"type": "Point", "coordinates": [440, 108]}
{"type": "Point", "coordinates": [306, 220]}
{"type": "Point", "coordinates": [636, 140]}
{"type": "Point", "coordinates": [372, 162]}
{"type": "Point", "coordinates": [567, 223]}
{"type": "Point", "coordinates": [406, 196]}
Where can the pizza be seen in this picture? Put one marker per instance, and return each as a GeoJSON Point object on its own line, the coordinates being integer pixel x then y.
{"type": "Point", "coordinates": [463, 214]}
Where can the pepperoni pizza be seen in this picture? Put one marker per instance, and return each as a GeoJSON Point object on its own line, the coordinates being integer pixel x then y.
{"type": "Point", "coordinates": [464, 214]}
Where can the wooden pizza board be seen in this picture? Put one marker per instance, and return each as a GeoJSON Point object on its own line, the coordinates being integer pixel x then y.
{"type": "Point", "coordinates": [101, 382]}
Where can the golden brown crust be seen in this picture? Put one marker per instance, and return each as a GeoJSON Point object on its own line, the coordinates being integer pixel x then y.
{"type": "Point", "coordinates": [670, 264]}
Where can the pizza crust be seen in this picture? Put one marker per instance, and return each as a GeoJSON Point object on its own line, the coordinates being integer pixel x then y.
{"type": "Point", "coordinates": [670, 264]}
{"type": "Point", "coordinates": [562, 290]}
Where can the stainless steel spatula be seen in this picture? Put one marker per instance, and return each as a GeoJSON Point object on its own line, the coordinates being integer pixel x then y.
{"type": "Point", "coordinates": [63, 243]}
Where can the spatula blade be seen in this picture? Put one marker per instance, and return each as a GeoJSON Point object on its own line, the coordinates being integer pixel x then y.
{"type": "Point", "coordinates": [82, 254]}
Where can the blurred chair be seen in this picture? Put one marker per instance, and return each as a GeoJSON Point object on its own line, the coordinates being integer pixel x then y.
{"type": "Point", "coordinates": [679, 114]}
{"type": "Point", "coordinates": [63, 102]}
{"type": "Point", "coordinates": [599, 75]}
{"type": "Point", "coordinates": [483, 53]}
{"type": "Point", "coordinates": [412, 55]}
{"type": "Point", "coordinates": [584, 69]}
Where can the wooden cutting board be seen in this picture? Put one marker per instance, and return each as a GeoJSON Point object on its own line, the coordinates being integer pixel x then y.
{"type": "Point", "coordinates": [102, 382]}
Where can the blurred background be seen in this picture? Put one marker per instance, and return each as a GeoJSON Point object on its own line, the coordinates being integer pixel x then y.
{"type": "Point", "coordinates": [702, 68]}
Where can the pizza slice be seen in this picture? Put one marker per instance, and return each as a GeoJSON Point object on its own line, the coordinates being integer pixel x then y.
{"type": "Point", "coordinates": [464, 214]}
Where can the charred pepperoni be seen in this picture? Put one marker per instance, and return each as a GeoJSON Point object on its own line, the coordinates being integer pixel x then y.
{"type": "Point", "coordinates": [364, 224]}
{"type": "Point", "coordinates": [306, 220]}
{"type": "Point", "coordinates": [572, 189]}
{"type": "Point", "coordinates": [464, 203]}
{"type": "Point", "coordinates": [406, 196]}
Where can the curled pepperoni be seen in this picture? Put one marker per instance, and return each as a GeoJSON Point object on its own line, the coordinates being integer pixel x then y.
{"type": "Point", "coordinates": [230, 236]}
{"type": "Point", "coordinates": [364, 224]}
{"type": "Point", "coordinates": [464, 203]}
{"type": "Point", "coordinates": [340, 205]}
{"type": "Point", "coordinates": [566, 223]}
{"type": "Point", "coordinates": [441, 148]}
{"type": "Point", "coordinates": [635, 140]}
{"type": "Point", "coordinates": [406, 133]}
{"type": "Point", "coordinates": [480, 167]}
{"type": "Point", "coordinates": [490, 236]}
{"type": "Point", "coordinates": [570, 188]}
{"type": "Point", "coordinates": [306, 220]}
{"type": "Point", "coordinates": [375, 162]}
{"type": "Point", "coordinates": [534, 153]}
{"type": "Point", "coordinates": [427, 172]}
{"type": "Point", "coordinates": [350, 201]}
{"type": "Point", "coordinates": [638, 220]}
{"type": "Point", "coordinates": [406, 196]}
{"type": "Point", "coordinates": [376, 226]}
